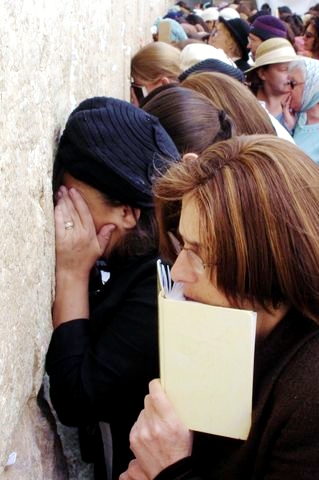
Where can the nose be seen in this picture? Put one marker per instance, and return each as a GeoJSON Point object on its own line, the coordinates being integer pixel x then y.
{"type": "Point", "coordinates": [181, 271]}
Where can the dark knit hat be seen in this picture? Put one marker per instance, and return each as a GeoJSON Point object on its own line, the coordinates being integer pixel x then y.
{"type": "Point", "coordinates": [268, 26]}
{"type": "Point", "coordinates": [116, 148]}
{"type": "Point", "coordinates": [239, 29]}
{"type": "Point", "coordinates": [284, 10]}
{"type": "Point", "coordinates": [213, 65]}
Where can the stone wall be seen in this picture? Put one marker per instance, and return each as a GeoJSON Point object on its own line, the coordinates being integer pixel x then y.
{"type": "Point", "coordinates": [53, 55]}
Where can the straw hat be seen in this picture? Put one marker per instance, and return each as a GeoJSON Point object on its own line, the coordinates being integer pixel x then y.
{"type": "Point", "coordinates": [273, 50]}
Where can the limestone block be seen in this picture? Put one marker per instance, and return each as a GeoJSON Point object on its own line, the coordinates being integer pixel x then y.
{"type": "Point", "coordinates": [52, 56]}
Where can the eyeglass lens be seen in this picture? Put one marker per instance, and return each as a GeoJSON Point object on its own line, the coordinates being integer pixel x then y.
{"type": "Point", "coordinates": [309, 35]}
{"type": "Point", "coordinates": [138, 91]}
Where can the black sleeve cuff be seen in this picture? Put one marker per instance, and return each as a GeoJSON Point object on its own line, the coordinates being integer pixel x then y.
{"type": "Point", "coordinates": [181, 470]}
{"type": "Point", "coordinates": [68, 339]}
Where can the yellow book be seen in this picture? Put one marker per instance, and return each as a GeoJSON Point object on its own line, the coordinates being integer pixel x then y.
{"type": "Point", "coordinates": [206, 364]}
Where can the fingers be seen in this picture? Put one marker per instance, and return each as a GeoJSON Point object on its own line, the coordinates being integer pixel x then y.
{"type": "Point", "coordinates": [134, 472]}
{"type": "Point", "coordinates": [80, 207]}
{"type": "Point", "coordinates": [104, 235]}
{"type": "Point", "coordinates": [73, 208]}
{"type": "Point", "coordinates": [66, 206]}
{"type": "Point", "coordinates": [158, 402]}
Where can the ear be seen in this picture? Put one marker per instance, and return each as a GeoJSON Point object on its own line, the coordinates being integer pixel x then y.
{"type": "Point", "coordinates": [165, 80]}
{"type": "Point", "coordinates": [129, 216]}
{"type": "Point", "coordinates": [261, 73]}
{"type": "Point", "coordinates": [189, 156]}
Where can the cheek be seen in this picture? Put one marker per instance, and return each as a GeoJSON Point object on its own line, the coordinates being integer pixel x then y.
{"type": "Point", "coordinates": [309, 42]}
{"type": "Point", "coordinates": [296, 100]}
{"type": "Point", "coordinates": [217, 40]}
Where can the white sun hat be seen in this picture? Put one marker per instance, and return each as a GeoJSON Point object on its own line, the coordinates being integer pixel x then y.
{"type": "Point", "coordinates": [196, 52]}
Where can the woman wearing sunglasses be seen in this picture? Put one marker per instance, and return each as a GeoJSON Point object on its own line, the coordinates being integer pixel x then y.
{"type": "Point", "coordinates": [311, 37]}
{"type": "Point", "coordinates": [301, 109]}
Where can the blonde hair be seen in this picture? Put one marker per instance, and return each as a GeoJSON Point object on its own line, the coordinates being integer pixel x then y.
{"type": "Point", "coordinates": [228, 94]}
{"type": "Point", "coordinates": [257, 199]}
{"type": "Point", "coordinates": [230, 47]}
{"type": "Point", "coordinates": [156, 60]}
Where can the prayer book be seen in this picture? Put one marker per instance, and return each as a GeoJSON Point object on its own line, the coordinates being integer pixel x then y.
{"type": "Point", "coordinates": [206, 362]}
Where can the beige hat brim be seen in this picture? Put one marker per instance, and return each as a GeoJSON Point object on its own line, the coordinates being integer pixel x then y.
{"type": "Point", "coordinates": [270, 59]}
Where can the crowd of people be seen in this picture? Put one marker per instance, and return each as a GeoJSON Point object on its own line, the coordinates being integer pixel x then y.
{"type": "Point", "coordinates": [216, 152]}
{"type": "Point", "coordinates": [257, 48]}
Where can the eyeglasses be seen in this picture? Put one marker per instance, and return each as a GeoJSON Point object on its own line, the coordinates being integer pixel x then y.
{"type": "Point", "coordinates": [193, 259]}
{"type": "Point", "coordinates": [294, 84]}
{"type": "Point", "coordinates": [139, 91]}
{"type": "Point", "coordinates": [309, 35]}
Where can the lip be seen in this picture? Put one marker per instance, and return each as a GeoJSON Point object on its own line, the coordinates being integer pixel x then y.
{"type": "Point", "coordinates": [189, 299]}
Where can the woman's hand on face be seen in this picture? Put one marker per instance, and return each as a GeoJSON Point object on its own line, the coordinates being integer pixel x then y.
{"type": "Point", "coordinates": [159, 438]}
{"type": "Point", "coordinates": [77, 244]}
{"type": "Point", "coordinates": [289, 116]}
{"type": "Point", "coordinates": [134, 472]}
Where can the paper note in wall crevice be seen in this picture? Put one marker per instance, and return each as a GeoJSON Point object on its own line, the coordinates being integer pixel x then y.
{"type": "Point", "coordinates": [206, 364]}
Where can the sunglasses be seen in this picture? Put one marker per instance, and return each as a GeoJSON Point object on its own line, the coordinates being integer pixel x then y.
{"type": "Point", "coordinates": [140, 91]}
{"type": "Point", "coordinates": [309, 35]}
{"type": "Point", "coordinates": [294, 84]}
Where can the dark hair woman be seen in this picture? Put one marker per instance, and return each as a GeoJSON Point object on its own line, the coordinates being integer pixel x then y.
{"type": "Point", "coordinates": [105, 309]}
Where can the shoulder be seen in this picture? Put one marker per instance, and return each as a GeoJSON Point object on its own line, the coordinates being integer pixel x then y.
{"type": "Point", "coordinates": [292, 389]}
{"type": "Point", "coordinates": [297, 379]}
{"type": "Point", "coordinates": [281, 131]}
{"type": "Point", "coordinates": [287, 363]}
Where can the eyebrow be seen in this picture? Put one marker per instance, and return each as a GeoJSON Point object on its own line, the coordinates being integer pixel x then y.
{"type": "Point", "coordinates": [192, 243]}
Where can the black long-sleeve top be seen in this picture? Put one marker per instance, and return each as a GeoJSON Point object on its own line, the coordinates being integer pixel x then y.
{"type": "Point", "coordinates": [99, 368]}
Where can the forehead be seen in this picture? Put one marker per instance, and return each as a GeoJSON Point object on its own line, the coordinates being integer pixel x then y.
{"type": "Point", "coordinates": [296, 74]}
{"type": "Point", "coordinates": [189, 219]}
{"type": "Point", "coordinates": [282, 66]}
{"type": "Point", "coordinates": [221, 27]}
{"type": "Point", "coordinates": [254, 38]}
{"type": "Point", "coordinates": [311, 28]}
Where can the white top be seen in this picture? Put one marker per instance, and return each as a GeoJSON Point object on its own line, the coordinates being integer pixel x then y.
{"type": "Point", "coordinates": [281, 131]}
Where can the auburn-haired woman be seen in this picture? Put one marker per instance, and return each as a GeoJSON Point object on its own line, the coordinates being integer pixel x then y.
{"type": "Point", "coordinates": [249, 239]}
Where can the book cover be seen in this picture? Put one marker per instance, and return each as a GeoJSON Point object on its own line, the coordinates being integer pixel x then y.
{"type": "Point", "coordinates": [206, 364]}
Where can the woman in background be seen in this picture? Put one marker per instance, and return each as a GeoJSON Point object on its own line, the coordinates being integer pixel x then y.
{"type": "Point", "coordinates": [191, 119]}
{"type": "Point", "coordinates": [302, 107]}
{"type": "Point", "coordinates": [194, 123]}
{"type": "Point", "coordinates": [232, 36]}
{"type": "Point", "coordinates": [155, 64]}
{"type": "Point", "coordinates": [311, 38]}
{"type": "Point", "coordinates": [247, 115]}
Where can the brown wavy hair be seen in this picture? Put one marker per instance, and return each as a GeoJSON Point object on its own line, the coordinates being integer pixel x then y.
{"type": "Point", "coordinates": [257, 199]}
{"type": "Point", "coordinates": [235, 98]}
